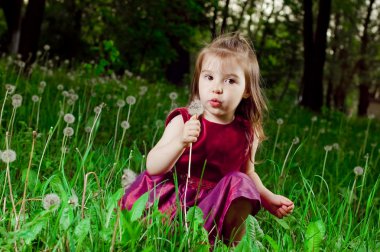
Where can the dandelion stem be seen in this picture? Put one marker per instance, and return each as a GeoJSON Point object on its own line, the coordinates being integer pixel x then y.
{"type": "Point", "coordinates": [22, 209]}
{"type": "Point", "coordinates": [275, 141]}
{"type": "Point", "coordinates": [116, 126]}
{"type": "Point", "coordinates": [2, 107]}
{"type": "Point", "coordinates": [8, 174]}
{"type": "Point", "coordinates": [286, 158]}
{"type": "Point", "coordinates": [323, 170]}
{"type": "Point", "coordinates": [362, 185]}
{"type": "Point", "coordinates": [38, 113]}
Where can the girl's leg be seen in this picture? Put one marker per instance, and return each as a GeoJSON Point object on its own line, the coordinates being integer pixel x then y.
{"type": "Point", "coordinates": [233, 226]}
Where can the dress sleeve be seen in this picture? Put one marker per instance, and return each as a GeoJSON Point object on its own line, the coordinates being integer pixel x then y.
{"type": "Point", "coordinates": [178, 111]}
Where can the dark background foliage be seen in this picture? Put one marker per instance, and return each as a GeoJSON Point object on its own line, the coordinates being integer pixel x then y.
{"type": "Point", "coordinates": [316, 53]}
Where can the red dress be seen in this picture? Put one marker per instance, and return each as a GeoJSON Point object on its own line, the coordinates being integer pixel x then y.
{"type": "Point", "coordinates": [223, 149]}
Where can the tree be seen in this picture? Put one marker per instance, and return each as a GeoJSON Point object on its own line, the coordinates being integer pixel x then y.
{"type": "Point", "coordinates": [12, 12]}
{"type": "Point", "coordinates": [314, 54]}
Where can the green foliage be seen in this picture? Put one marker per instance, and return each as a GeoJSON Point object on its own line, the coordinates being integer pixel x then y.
{"type": "Point", "coordinates": [252, 238]}
{"type": "Point", "coordinates": [314, 235]}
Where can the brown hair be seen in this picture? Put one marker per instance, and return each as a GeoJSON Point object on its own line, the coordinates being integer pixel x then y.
{"type": "Point", "coordinates": [235, 46]}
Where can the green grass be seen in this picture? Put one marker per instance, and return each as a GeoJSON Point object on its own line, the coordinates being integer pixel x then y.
{"type": "Point", "coordinates": [334, 209]}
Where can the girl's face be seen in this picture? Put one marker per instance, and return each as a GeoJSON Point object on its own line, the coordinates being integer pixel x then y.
{"type": "Point", "coordinates": [221, 88]}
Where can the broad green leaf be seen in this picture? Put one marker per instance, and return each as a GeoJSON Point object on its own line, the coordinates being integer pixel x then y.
{"type": "Point", "coordinates": [314, 235]}
{"type": "Point", "coordinates": [30, 233]}
{"type": "Point", "coordinates": [67, 218]}
{"type": "Point", "coordinates": [139, 206]}
{"type": "Point", "coordinates": [283, 223]}
{"type": "Point", "coordinates": [272, 243]}
{"type": "Point", "coordinates": [195, 215]}
{"type": "Point", "coordinates": [82, 229]}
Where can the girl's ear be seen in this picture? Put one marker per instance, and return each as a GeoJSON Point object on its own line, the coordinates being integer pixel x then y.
{"type": "Point", "coordinates": [246, 95]}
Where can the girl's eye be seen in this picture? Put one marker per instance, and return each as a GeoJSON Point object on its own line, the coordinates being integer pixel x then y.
{"type": "Point", "coordinates": [209, 77]}
{"type": "Point", "coordinates": [230, 81]}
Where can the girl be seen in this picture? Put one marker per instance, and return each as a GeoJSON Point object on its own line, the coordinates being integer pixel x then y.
{"type": "Point", "coordinates": [224, 140]}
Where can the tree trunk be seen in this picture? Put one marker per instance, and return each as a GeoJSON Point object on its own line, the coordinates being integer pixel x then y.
{"type": "Point", "coordinates": [180, 66]}
{"type": "Point", "coordinates": [31, 29]}
{"type": "Point", "coordinates": [225, 16]}
{"type": "Point", "coordinates": [214, 18]}
{"type": "Point", "coordinates": [363, 66]}
{"type": "Point", "coordinates": [313, 88]}
{"type": "Point", "coordinates": [12, 12]}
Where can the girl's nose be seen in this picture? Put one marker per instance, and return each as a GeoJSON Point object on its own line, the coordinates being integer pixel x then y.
{"type": "Point", "coordinates": [217, 89]}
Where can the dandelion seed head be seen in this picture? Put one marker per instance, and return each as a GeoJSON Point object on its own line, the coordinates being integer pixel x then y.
{"type": "Point", "coordinates": [70, 102]}
{"type": "Point", "coordinates": [51, 201]}
{"type": "Point", "coordinates": [66, 61]}
{"type": "Point", "coordinates": [43, 84]}
{"type": "Point", "coordinates": [8, 156]}
{"type": "Point", "coordinates": [159, 123]}
{"type": "Point", "coordinates": [39, 53]}
{"type": "Point", "coordinates": [128, 73]}
{"type": "Point", "coordinates": [195, 108]}
{"type": "Point", "coordinates": [173, 96]}
{"type": "Point", "coordinates": [373, 145]}
{"type": "Point", "coordinates": [65, 150]}
{"type": "Point", "coordinates": [127, 178]}
{"type": "Point", "coordinates": [125, 124]}
{"type": "Point", "coordinates": [280, 121]}
{"type": "Point", "coordinates": [46, 47]}
{"type": "Point", "coordinates": [35, 98]}
{"type": "Point", "coordinates": [97, 110]}
{"type": "Point", "coordinates": [335, 146]}
{"type": "Point", "coordinates": [21, 64]}
{"type": "Point", "coordinates": [17, 97]}
{"type": "Point", "coordinates": [16, 103]}
{"type": "Point", "coordinates": [143, 90]}
{"type": "Point", "coordinates": [74, 97]}
{"type": "Point", "coordinates": [371, 116]}
{"type": "Point", "coordinates": [328, 148]}
{"type": "Point", "coordinates": [314, 119]}
{"type": "Point", "coordinates": [296, 140]}
{"type": "Point", "coordinates": [10, 88]}
{"type": "Point", "coordinates": [306, 129]}
{"type": "Point", "coordinates": [65, 93]}
{"type": "Point", "coordinates": [358, 170]}
{"type": "Point", "coordinates": [366, 155]}
{"type": "Point", "coordinates": [120, 103]}
{"type": "Point", "coordinates": [69, 118]}
{"type": "Point", "coordinates": [131, 100]}
{"type": "Point", "coordinates": [322, 130]}
{"type": "Point", "coordinates": [87, 129]}
{"type": "Point", "coordinates": [68, 131]}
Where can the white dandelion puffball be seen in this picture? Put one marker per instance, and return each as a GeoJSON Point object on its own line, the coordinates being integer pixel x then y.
{"type": "Point", "coordinates": [16, 97]}
{"type": "Point", "coordinates": [43, 84]}
{"type": "Point", "coordinates": [69, 118]}
{"type": "Point", "coordinates": [314, 119]}
{"type": "Point", "coordinates": [371, 116]}
{"type": "Point", "coordinates": [87, 129]}
{"type": "Point", "coordinates": [143, 90]}
{"type": "Point", "coordinates": [125, 124]}
{"type": "Point", "coordinates": [336, 146]}
{"type": "Point", "coordinates": [280, 121]}
{"type": "Point", "coordinates": [60, 87]}
{"type": "Point", "coordinates": [195, 108]}
{"type": "Point", "coordinates": [46, 47]}
{"type": "Point", "coordinates": [68, 131]}
{"type": "Point", "coordinates": [16, 103]}
{"type": "Point", "coordinates": [35, 98]}
{"type": "Point", "coordinates": [128, 178]}
{"type": "Point", "coordinates": [131, 100]}
{"type": "Point", "coordinates": [328, 148]}
{"type": "Point", "coordinates": [120, 103]}
{"type": "Point", "coordinates": [97, 110]}
{"type": "Point", "coordinates": [173, 96]}
{"type": "Point", "coordinates": [51, 201]}
{"type": "Point", "coordinates": [159, 123]}
{"type": "Point", "coordinates": [358, 171]}
{"type": "Point", "coordinates": [8, 156]}
{"type": "Point", "coordinates": [10, 88]}
{"type": "Point", "coordinates": [296, 140]}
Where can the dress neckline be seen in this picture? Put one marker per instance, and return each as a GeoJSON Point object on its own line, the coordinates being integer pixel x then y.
{"type": "Point", "coordinates": [221, 124]}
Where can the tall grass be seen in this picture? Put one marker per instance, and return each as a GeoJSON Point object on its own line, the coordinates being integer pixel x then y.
{"type": "Point", "coordinates": [334, 208]}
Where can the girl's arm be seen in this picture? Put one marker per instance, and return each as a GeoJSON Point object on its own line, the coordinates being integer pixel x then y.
{"type": "Point", "coordinates": [277, 205]}
{"type": "Point", "coordinates": [177, 136]}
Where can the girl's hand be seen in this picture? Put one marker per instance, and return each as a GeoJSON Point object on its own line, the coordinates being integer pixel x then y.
{"type": "Point", "coordinates": [191, 131]}
{"type": "Point", "coordinates": [278, 205]}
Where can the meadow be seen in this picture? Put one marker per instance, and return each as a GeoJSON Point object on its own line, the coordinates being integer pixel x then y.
{"type": "Point", "coordinates": [67, 134]}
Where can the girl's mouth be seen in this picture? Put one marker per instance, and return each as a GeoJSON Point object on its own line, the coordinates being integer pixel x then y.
{"type": "Point", "coordinates": [215, 103]}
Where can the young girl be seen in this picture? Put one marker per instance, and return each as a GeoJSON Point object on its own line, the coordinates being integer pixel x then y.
{"type": "Point", "coordinates": [224, 140]}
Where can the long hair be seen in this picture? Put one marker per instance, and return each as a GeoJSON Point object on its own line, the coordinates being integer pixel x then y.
{"type": "Point", "coordinates": [235, 46]}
